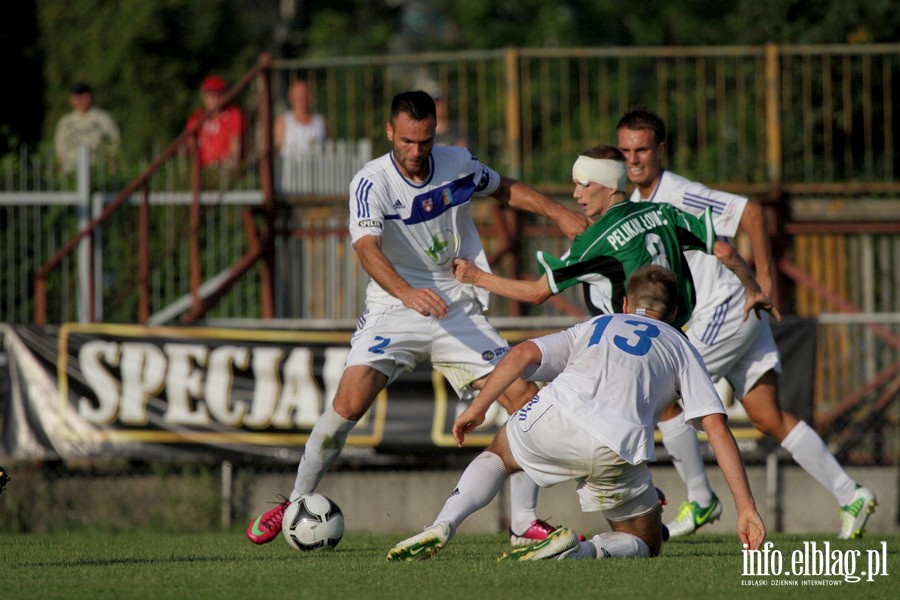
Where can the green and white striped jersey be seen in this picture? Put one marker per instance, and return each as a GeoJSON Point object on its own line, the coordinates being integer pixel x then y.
{"type": "Point", "coordinates": [628, 236]}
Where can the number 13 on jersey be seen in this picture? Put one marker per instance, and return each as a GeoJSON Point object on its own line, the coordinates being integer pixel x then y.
{"type": "Point", "coordinates": [638, 342]}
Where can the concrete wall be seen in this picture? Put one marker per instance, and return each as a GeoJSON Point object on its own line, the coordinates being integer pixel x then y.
{"type": "Point", "coordinates": [405, 502]}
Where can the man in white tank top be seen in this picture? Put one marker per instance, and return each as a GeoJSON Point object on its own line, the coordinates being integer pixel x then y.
{"type": "Point", "coordinates": [299, 130]}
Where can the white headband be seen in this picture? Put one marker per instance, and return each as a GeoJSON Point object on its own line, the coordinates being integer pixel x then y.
{"type": "Point", "coordinates": [607, 172]}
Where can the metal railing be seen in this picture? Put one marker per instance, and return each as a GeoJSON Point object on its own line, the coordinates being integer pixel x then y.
{"type": "Point", "coordinates": [776, 122]}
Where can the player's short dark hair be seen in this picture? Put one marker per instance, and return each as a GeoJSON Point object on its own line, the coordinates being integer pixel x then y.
{"type": "Point", "coordinates": [418, 105]}
{"type": "Point", "coordinates": [604, 151]}
{"type": "Point", "coordinates": [655, 288]}
{"type": "Point", "coordinates": [640, 117]}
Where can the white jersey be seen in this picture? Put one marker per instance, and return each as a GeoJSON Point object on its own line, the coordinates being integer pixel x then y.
{"type": "Point", "coordinates": [300, 138]}
{"type": "Point", "coordinates": [423, 225]}
{"type": "Point", "coordinates": [719, 291]}
{"type": "Point", "coordinates": [612, 375]}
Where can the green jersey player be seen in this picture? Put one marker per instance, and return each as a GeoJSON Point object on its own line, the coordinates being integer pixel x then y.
{"type": "Point", "coordinates": [622, 237]}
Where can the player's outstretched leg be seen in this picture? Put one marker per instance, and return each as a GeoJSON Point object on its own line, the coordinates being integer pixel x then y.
{"type": "Point", "coordinates": [856, 502]}
{"type": "Point", "coordinates": [477, 486]}
{"type": "Point", "coordinates": [424, 545]}
{"type": "Point", "coordinates": [324, 445]}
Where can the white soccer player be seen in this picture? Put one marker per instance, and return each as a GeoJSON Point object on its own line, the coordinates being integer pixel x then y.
{"type": "Point", "coordinates": [409, 218]}
{"type": "Point", "coordinates": [743, 352]}
{"type": "Point", "coordinates": [594, 423]}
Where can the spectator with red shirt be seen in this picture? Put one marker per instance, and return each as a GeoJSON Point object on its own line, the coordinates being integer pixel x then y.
{"type": "Point", "coordinates": [220, 136]}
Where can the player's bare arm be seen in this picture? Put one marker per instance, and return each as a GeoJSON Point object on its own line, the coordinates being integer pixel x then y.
{"type": "Point", "coordinates": [751, 528]}
{"type": "Point", "coordinates": [533, 292]}
{"type": "Point", "coordinates": [424, 301]}
{"type": "Point", "coordinates": [757, 300]}
{"type": "Point", "coordinates": [509, 369]}
{"type": "Point", "coordinates": [753, 224]}
{"type": "Point", "coordinates": [522, 196]}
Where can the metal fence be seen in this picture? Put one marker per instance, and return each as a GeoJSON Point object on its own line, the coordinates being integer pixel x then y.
{"type": "Point", "coordinates": [748, 116]}
{"type": "Point", "coordinates": [35, 223]}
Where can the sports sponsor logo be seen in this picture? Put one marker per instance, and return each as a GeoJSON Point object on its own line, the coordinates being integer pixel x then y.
{"type": "Point", "coordinates": [523, 412]}
{"type": "Point", "coordinates": [495, 353]}
{"type": "Point", "coordinates": [397, 203]}
{"type": "Point", "coordinates": [370, 223]}
{"type": "Point", "coordinates": [448, 196]}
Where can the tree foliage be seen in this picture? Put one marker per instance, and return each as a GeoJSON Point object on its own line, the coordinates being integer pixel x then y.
{"type": "Point", "coordinates": [146, 59]}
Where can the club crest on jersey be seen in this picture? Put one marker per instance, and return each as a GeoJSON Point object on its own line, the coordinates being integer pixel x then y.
{"type": "Point", "coordinates": [442, 247]}
{"type": "Point", "coordinates": [427, 205]}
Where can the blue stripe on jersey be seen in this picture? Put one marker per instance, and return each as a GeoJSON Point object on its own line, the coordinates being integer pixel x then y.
{"type": "Point", "coordinates": [437, 201]}
{"type": "Point", "coordinates": [652, 197]}
{"type": "Point", "coordinates": [715, 326]}
{"type": "Point", "coordinates": [701, 202]}
{"type": "Point", "coordinates": [362, 198]}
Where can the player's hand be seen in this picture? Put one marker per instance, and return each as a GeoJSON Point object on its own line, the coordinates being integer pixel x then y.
{"type": "Point", "coordinates": [751, 529]}
{"type": "Point", "coordinates": [572, 223]}
{"type": "Point", "coordinates": [426, 302]}
{"type": "Point", "coordinates": [757, 302]}
{"type": "Point", "coordinates": [466, 422]}
{"type": "Point", "coordinates": [465, 271]}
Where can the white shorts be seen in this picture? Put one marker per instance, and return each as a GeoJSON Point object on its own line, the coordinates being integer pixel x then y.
{"type": "Point", "coordinates": [462, 346]}
{"type": "Point", "coordinates": [551, 449]}
{"type": "Point", "coordinates": [741, 352]}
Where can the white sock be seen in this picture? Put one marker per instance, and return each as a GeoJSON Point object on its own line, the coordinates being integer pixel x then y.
{"type": "Point", "coordinates": [681, 443]}
{"type": "Point", "coordinates": [478, 485]}
{"type": "Point", "coordinates": [615, 544]}
{"type": "Point", "coordinates": [324, 445]}
{"type": "Point", "coordinates": [523, 495]}
{"type": "Point", "coordinates": [813, 455]}
{"type": "Point", "coordinates": [585, 550]}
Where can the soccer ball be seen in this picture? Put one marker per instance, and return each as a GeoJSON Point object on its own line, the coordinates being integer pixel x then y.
{"type": "Point", "coordinates": [313, 522]}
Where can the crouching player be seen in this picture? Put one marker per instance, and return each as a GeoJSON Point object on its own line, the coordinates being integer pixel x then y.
{"type": "Point", "coordinates": [610, 377]}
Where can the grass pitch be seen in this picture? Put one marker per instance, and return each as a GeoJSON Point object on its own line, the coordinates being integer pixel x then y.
{"type": "Point", "coordinates": [225, 565]}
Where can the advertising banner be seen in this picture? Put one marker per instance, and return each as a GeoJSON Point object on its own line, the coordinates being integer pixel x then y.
{"type": "Point", "coordinates": [102, 390]}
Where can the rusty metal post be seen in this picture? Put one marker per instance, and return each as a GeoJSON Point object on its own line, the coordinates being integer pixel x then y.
{"type": "Point", "coordinates": [773, 120]}
{"type": "Point", "coordinates": [40, 300]}
{"type": "Point", "coordinates": [776, 207]}
{"type": "Point", "coordinates": [144, 257]}
{"type": "Point", "coordinates": [194, 238]}
{"type": "Point", "coordinates": [513, 112]}
{"type": "Point", "coordinates": [266, 177]}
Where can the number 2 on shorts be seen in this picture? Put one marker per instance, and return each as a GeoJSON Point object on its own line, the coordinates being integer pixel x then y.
{"type": "Point", "coordinates": [379, 347]}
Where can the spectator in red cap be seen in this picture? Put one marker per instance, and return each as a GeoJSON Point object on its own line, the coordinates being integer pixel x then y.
{"type": "Point", "coordinates": [220, 136]}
